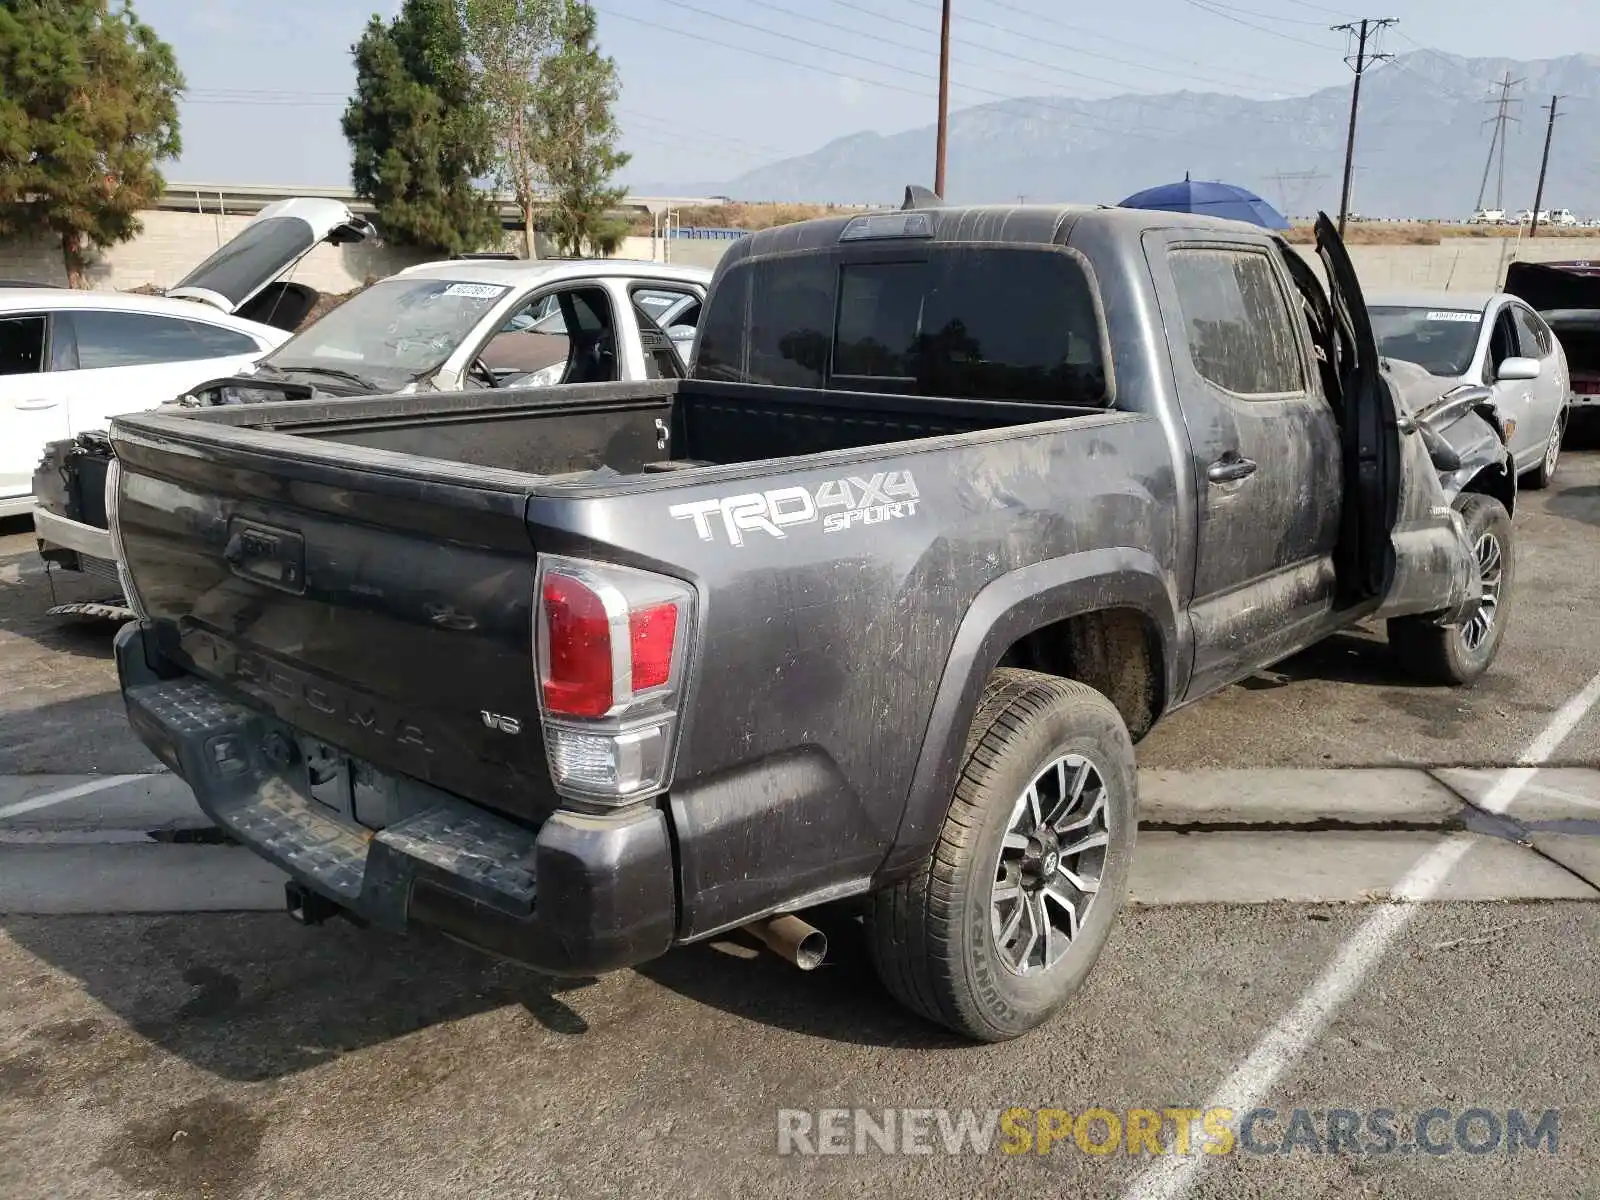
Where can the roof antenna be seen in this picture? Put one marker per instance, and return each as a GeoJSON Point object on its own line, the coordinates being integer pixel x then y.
{"type": "Point", "coordinates": [918, 196]}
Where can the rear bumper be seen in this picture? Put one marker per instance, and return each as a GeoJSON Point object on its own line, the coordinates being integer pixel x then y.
{"type": "Point", "coordinates": [583, 894]}
{"type": "Point", "coordinates": [73, 535]}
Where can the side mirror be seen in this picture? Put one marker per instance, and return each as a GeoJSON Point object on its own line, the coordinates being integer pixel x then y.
{"type": "Point", "coordinates": [1517, 368]}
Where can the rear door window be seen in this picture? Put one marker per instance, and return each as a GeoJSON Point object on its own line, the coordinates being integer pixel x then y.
{"type": "Point", "coordinates": [22, 341]}
{"type": "Point", "coordinates": [128, 339]}
{"type": "Point", "coordinates": [1237, 322]}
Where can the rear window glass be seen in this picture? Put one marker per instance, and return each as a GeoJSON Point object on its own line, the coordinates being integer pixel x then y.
{"type": "Point", "coordinates": [986, 323]}
{"type": "Point", "coordinates": [256, 256]}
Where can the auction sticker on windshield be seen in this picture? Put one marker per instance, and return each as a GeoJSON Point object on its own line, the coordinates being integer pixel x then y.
{"type": "Point", "coordinates": [1451, 315]}
{"type": "Point", "coordinates": [477, 291]}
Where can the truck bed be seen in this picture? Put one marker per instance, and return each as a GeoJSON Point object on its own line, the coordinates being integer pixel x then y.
{"type": "Point", "coordinates": [564, 431]}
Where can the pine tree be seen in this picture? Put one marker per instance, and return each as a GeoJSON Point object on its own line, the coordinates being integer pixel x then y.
{"type": "Point", "coordinates": [88, 108]}
{"type": "Point", "coordinates": [418, 131]}
{"type": "Point", "coordinates": [577, 137]}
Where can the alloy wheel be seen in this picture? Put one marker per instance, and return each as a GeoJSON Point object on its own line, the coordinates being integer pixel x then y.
{"type": "Point", "coordinates": [1491, 574]}
{"type": "Point", "coordinates": [1050, 864]}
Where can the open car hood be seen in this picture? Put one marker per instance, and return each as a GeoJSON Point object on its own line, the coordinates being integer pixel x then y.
{"type": "Point", "coordinates": [238, 276]}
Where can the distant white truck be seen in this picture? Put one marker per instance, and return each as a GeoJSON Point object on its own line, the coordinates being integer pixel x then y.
{"type": "Point", "coordinates": [1561, 216]}
{"type": "Point", "coordinates": [1487, 216]}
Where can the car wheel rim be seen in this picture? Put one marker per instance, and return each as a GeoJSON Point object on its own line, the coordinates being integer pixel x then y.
{"type": "Point", "coordinates": [1051, 863]}
{"type": "Point", "coordinates": [1491, 575]}
{"type": "Point", "coordinates": [1552, 451]}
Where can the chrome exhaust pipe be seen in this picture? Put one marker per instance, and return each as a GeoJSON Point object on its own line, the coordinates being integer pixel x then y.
{"type": "Point", "coordinates": [787, 936]}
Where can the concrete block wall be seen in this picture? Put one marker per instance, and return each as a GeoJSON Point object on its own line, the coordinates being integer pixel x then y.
{"type": "Point", "coordinates": [174, 242]}
{"type": "Point", "coordinates": [1455, 264]}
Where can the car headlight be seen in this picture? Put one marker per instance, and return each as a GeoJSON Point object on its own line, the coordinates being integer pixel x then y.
{"type": "Point", "coordinates": [545, 377]}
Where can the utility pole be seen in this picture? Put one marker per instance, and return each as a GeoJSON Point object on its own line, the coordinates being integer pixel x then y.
{"type": "Point", "coordinates": [1544, 165]}
{"type": "Point", "coordinates": [944, 100]}
{"type": "Point", "coordinates": [1502, 115]}
{"type": "Point", "coordinates": [1363, 30]}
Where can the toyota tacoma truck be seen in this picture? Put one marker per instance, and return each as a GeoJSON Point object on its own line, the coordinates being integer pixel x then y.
{"type": "Point", "coordinates": [955, 505]}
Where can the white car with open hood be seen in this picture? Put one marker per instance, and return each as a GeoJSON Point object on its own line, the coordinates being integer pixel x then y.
{"type": "Point", "coordinates": [71, 360]}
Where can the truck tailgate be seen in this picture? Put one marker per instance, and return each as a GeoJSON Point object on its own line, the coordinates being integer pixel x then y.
{"type": "Point", "coordinates": [379, 602]}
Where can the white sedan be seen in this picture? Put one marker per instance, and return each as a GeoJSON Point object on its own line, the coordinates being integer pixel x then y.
{"type": "Point", "coordinates": [1496, 340]}
{"type": "Point", "coordinates": [72, 360]}
{"type": "Point", "coordinates": [463, 324]}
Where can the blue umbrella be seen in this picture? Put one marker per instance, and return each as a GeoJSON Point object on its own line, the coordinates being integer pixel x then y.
{"type": "Point", "coordinates": [1210, 199]}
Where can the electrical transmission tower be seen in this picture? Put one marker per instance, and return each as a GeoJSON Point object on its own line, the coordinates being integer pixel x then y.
{"type": "Point", "coordinates": [1497, 140]}
{"type": "Point", "coordinates": [1365, 30]}
{"type": "Point", "coordinates": [1303, 178]}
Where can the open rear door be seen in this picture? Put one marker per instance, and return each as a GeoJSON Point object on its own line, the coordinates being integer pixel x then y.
{"type": "Point", "coordinates": [1364, 562]}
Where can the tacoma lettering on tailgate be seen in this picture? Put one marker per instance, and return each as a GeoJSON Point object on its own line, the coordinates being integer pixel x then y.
{"type": "Point", "coordinates": [837, 505]}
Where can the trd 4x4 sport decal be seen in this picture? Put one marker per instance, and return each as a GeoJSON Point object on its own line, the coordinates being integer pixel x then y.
{"type": "Point", "coordinates": [838, 505]}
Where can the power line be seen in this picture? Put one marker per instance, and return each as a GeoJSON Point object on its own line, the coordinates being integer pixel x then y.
{"type": "Point", "coordinates": [1033, 62]}
{"type": "Point", "coordinates": [793, 62]}
{"type": "Point", "coordinates": [1034, 37]}
{"type": "Point", "coordinates": [1317, 8]}
{"type": "Point", "coordinates": [1227, 16]}
{"type": "Point", "coordinates": [1259, 15]}
{"type": "Point", "coordinates": [1084, 31]}
{"type": "Point", "coordinates": [1368, 27]}
{"type": "Point", "coordinates": [1144, 133]}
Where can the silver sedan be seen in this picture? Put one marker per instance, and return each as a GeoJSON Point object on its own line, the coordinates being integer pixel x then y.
{"type": "Point", "coordinates": [1492, 339]}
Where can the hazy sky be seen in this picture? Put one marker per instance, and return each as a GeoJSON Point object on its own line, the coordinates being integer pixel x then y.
{"type": "Point", "coordinates": [699, 102]}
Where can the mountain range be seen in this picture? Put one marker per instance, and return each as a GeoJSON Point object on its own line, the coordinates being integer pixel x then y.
{"type": "Point", "coordinates": [1421, 146]}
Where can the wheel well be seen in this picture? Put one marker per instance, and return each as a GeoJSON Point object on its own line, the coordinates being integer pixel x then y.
{"type": "Point", "coordinates": [1499, 482]}
{"type": "Point", "coordinates": [1116, 651]}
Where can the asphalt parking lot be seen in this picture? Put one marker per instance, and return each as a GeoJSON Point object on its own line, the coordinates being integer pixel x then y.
{"type": "Point", "coordinates": [1309, 933]}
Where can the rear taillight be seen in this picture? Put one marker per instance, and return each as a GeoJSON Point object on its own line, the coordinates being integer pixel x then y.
{"type": "Point", "coordinates": [611, 646]}
{"type": "Point", "coordinates": [113, 502]}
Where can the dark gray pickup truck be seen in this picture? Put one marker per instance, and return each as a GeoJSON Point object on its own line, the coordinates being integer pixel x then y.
{"type": "Point", "coordinates": [956, 504]}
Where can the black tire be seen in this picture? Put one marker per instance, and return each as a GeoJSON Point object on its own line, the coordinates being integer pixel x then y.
{"type": "Point", "coordinates": [1444, 654]}
{"type": "Point", "coordinates": [1541, 476]}
{"type": "Point", "coordinates": [931, 935]}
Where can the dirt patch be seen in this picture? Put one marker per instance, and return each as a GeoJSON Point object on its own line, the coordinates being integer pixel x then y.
{"type": "Point", "coordinates": [328, 301]}
{"type": "Point", "coordinates": [1423, 233]}
{"type": "Point", "coordinates": [207, 1147]}
{"type": "Point", "coordinates": [739, 216]}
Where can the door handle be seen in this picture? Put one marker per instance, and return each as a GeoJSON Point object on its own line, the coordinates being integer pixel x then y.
{"type": "Point", "coordinates": [1230, 469]}
{"type": "Point", "coordinates": [35, 405]}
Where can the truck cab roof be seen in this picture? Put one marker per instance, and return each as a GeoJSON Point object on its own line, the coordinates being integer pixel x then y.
{"type": "Point", "coordinates": [1020, 224]}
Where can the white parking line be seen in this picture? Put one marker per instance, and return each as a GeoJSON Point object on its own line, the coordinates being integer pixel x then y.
{"type": "Point", "coordinates": [71, 793]}
{"type": "Point", "coordinates": [1283, 1045]}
